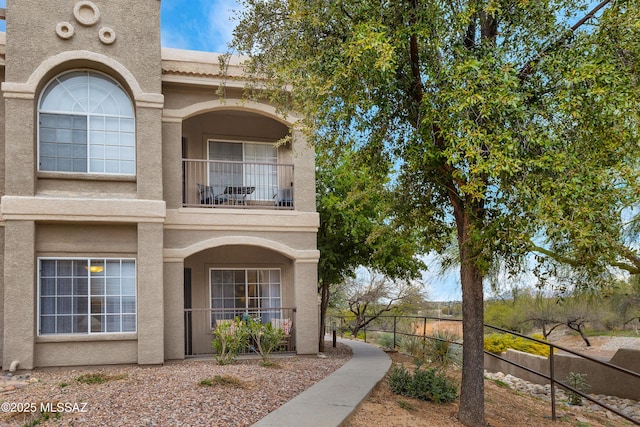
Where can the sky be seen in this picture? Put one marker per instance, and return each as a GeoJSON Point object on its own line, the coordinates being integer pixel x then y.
{"type": "Point", "coordinates": [205, 25]}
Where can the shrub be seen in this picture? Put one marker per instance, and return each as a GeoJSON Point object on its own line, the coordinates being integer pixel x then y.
{"type": "Point", "coordinates": [229, 338]}
{"type": "Point", "coordinates": [499, 343]}
{"type": "Point", "coordinates": [385, 340]}
{"type": "Point", "coordinates": [413, 345]}
{"type": "Point", "coordinates": [428, 384]}
{"type": "Point", "coordinates": [579, 382]}
{"type": "Point", "coordinates": [442, 348]}
{"type": "Point", "coordinates": [263, 337]}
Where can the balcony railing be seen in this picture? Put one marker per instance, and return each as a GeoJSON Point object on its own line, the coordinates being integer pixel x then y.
{"type": "Point", "coordinates": [225, 184]}
{"type": "Point", "coordinates": [199, 324]}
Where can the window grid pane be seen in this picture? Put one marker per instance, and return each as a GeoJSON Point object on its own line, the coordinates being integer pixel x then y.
{"type": "Point", "coordinates": [86, 124]}
{"type": "Point", "coordinates": [245, 290]}
{"type": "Point", "coordinates": [87, 296]}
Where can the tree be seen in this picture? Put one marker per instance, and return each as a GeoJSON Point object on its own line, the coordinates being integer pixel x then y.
{"type": "Point", "coordinates": [544, 314]}
{"type": "Point", "coordinates": [507, 126]}
{"type": "Point", "coordinates": [357, 227]}
{"type": "Point", "coordinates": [370, 297]}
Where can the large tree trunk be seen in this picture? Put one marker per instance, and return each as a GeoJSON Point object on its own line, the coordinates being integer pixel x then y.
{"type": "Point", "coordinates": [471, 409]}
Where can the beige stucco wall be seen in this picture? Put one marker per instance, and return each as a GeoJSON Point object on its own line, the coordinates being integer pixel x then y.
{"type": "Point", "coordinates": [63, 215]}
{"type": "Point", "coordinates": [96, 352]}
{"type": "Point", "coordinates": [31, 36]}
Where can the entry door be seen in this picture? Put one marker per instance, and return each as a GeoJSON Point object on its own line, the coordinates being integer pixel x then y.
{"type": "Point", "coordinates": [188, 320]}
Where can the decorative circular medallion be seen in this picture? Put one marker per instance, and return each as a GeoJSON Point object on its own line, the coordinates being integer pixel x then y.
{"type": "Point", "coordinates": [86, 13]}
{"type": "Point", "coordinates": [65, 30]}
{"type": "Point", "coordinates": [107, 35]}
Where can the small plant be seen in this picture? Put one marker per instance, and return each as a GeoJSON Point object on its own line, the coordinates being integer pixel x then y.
{"type": "Point", "coordinates": [442, 348]}
{"type": "Point", "coordinates": [579, 382]}
{"type": "Point", "coordinates": [413, 345]}
{"type": "Point", "coordinates": [223, 381]}
{"type": "Point", "coordinates": [264, 338]}
{"type": "Point", "coordinates": [63, 385]}
{"type": "Point", "coordinates": [406, 405]}
{"type": "Point", "coordinates": [429, 384]}
{"type": "Point", "coordinates": [229, 338]}
{"type": "Point", "coordinates": [385, 340]}
{"type": "Point", "coordinates": [98, 378]}
{"type": "Point", "coordinates": [501, 383]}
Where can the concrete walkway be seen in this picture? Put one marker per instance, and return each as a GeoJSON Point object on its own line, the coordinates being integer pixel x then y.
{"type": "Point", "coordinates": [330, 402]}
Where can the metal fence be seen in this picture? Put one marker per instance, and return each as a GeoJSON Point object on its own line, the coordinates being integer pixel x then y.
{"type": "Point", "coordinates": [225, 184]}
{"type": "Point", "coordinates": [199, 324]}
{"type": "Point", "coordinates": [426, 327]}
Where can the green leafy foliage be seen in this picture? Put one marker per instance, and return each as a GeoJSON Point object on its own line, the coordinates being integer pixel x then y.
{"type": "Point", "coordinates": [385, 339]}
{"type": "Point", "coordinates": [442, 349]}
{"type": "Point", "coordinates": [499, 343]}
{"type": "Point", "coordinates": [509, 133]}
{"type": "Point", "coordinates": [579, 382]}
{"type": "Point", "coordinates": [424, 384]}
{"type": "Point", "coordinates": [263, 337]}
{"type": "Point", "coordinates": [229, 338]}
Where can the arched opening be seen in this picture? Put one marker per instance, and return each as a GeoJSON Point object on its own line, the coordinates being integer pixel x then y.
{"type": "Point", "coordinates": [235, 158]}
{"type": "Point", "coordinates": [236, 281]}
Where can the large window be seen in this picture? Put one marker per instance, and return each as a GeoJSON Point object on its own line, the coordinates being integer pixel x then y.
{"type": "Point", "coordinates": [86, 295]}
{"type": "Point", "coordinates": [244, 164]}
{"type": "Point", "coordinates": [86, 124]}
{"type": "Point", "coordinates": [240, 291]}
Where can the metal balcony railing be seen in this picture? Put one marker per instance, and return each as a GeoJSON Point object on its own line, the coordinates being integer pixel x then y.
{"type": "Point", "coordinates": [226, 184]}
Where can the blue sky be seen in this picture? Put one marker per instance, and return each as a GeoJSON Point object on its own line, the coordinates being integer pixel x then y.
{"type": "Point", "coordinates": [204, 25]}
{"type": "Point", "coordinates": [192, 24]}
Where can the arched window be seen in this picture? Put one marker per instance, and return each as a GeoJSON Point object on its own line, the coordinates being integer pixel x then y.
{"type": "Point", "coordinates": [86, 124]}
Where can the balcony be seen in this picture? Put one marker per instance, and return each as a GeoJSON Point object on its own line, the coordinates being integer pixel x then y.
{"type": "Point", "coordinates": [238, 185]}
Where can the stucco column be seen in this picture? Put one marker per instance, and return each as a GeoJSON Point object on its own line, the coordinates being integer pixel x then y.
{"type": "Point", "coordinates": [149, 152]}
{"type": "Point", "coordinates": [19, 294]}
{"type": "Point", "coordinates": [174, 310]}
{"type": "Point", "coordinates": [304, 185]}
{"type": "Point", "coordinates": [150, 294]}
{"type": "Point", "coordinates": [171, 162]}
{"type": "Point", "coordinates": [20, 166]}
{"type": "Point", "coordinates": [306, 298]}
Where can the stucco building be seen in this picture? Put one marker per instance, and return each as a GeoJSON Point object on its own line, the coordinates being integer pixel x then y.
{"type": "Point", "coordinates": [139, 205]}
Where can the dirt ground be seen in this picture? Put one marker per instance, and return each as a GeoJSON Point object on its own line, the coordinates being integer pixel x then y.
{"type": "Point", "coordinates": [503, 407]}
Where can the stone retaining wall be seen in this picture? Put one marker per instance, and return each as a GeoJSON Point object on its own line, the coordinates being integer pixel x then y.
{"type": "Point", "coordinates": [601, 379]}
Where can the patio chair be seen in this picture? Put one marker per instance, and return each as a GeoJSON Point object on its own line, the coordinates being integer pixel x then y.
{"type": "Point", "coordinates": [208, 196]}
{"type": "Point", "coordinates": [283, 198]}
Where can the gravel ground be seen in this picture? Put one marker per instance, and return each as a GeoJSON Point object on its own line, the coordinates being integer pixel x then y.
{"type": "Point", "coordinates": [169, 395]}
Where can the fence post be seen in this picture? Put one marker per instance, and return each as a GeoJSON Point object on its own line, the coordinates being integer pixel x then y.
{"type": "Point", "coordinates": [395, 318]}
{"type": "Point", "coordinates": [365, 329]}
{"type": "Point", "coordinates": [424, 332]}
{"type": "Point", "coordinates": [553, 383]}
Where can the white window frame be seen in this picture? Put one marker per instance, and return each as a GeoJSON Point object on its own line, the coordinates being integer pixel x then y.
{"type": "Point", "coordinates": [236, 311]}
{"type": "Point", "coordinates": [95, 262]}
{"type": "Point", "coordinates": [121, 140]}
